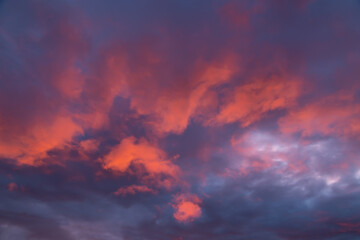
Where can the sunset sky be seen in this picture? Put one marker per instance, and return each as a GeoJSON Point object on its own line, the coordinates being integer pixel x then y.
{"type": "Point", "coordinates": [179, 120]}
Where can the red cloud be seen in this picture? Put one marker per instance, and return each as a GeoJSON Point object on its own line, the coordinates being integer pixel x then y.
{"type": "Point", "coordinates": [28, 134]}
{"type": "Point", "coordinates": [171, 108]}
{"type": "Point", "coordinates": [131, 150]}
{"type": "Point", "coordinates": [32, 145]}
{"type": "Point", "coordinates": [37, 110]}
{"type": "Point", "coordinates": [338, 114]}
{"type": "Point", "coordinates": [250, 102]}
{"type": "Point", "coordinates": [186, 207]}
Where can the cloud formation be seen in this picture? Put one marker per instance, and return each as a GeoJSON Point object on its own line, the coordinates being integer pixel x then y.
{"type": "Point", "coordinates": [337, 114]}
{"type": "Point", "coordinates": [186, 207]}
{"type": "Point", "coordinates": [179, 120]}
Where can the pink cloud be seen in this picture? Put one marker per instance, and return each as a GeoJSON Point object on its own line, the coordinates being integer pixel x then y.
{"type": "Point", "coordinates": [337, 114]}
{"type": "Point", "coordinates": [250, 102]}
{"type": "Point", "coordinates": [187, 207]}
{"type": "Point", "coordinates": [140, 151]}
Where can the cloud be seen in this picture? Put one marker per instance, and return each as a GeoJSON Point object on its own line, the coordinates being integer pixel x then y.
{"type": "Point", "coordinates": [264, 151]}
{"type": "Point", "coordinates": [187, 207]}
{"type": "Point", "coordinates": [133, 189]}
{"type": "Point", "coordinates": [179, 120]}
{"type": "Point", "coordinates": [33, 102]}
{"type": "Point", "coordinates": [12, 186]}
{"type": "Point", "coordinates": [140, 151]}
{"type": "Point", "coordinates": [172, 108]}
{"type": "Point", "coordinates": [52, 97]}
{"type": "Point", "coordinates": [31, 146]}
{"type": "Point", "coordinates": [337, 114]}
{"type": "Point", "coordinates": [250, 102]}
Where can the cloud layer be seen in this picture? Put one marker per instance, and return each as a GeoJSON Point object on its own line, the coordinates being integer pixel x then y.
{"type": "Point", "coordinates": [179, 120]}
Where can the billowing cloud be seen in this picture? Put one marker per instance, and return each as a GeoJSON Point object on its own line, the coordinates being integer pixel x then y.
{"type": "Point", "coordinates": [259, 151]}
{"type": "Point", "coordinates": [186, 207]}
{"type": "Point", "coordinates": [50, 99]}
{"type": "Point", "coordinates": [133, 151]}
{"type": "Point", "coordinates": [182, 119]}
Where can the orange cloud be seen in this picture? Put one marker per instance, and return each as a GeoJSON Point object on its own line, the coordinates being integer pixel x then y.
{"type": "Point", "coordinates": [338, 114]}
{"type": "Point", "coordinates": [186, 207]}
{"type": "Point", "coordinates": [172, 108]}
{"type": "Point", "coordinates": [53, 122]}
{"type": "Point", "coordinates": [31, 146]}
{"type": "Point", "coordinates": [61, 100]}
{"type": "Point", "coordinates": [133, 189]}
{"type": "Point", "coordinates": [131, 150]}
{"type": "Point", "coordinates": [250, 102]}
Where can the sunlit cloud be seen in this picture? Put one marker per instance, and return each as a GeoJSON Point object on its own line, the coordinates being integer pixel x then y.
{"type": "Point", "coordinates": [179, 120]}
{"type": "Point", "coordinates": [186, 207]}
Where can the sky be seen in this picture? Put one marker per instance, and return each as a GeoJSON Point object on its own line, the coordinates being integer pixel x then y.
{"type": "Point", "coordinates": [179, 120]}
